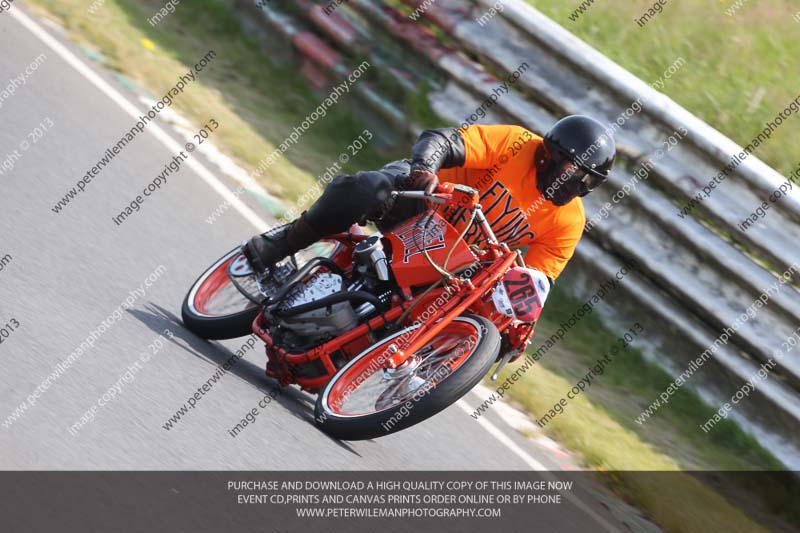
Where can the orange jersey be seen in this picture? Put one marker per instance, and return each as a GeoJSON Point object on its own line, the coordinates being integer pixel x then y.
{"type": "Point", "coordinates": [500, 163]}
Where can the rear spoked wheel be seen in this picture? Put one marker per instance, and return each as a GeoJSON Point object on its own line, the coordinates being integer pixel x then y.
{"type": "Point", "coordinates": [215, 308]}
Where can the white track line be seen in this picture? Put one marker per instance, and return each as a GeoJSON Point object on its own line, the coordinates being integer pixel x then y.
{"type": "Point", "coordinates": [170, 143]}
{"type": "Point", "coordinates": [249, 215]}
{"type": "Point", "coordinates": [498, 434]}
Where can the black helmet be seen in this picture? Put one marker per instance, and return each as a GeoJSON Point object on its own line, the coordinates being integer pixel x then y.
{"type": "Point", "coordinates": [577, 157]}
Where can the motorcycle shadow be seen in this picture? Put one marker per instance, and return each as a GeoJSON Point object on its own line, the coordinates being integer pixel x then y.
{"type": "Point", "coordinates": [293, 400]}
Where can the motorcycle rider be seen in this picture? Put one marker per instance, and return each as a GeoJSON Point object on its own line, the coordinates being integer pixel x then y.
{"type": "Point", "coordinates": [530, 189]}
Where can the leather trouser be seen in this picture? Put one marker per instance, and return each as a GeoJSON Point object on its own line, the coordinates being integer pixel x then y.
{"type": "Point", "coordinates": [357, 198]}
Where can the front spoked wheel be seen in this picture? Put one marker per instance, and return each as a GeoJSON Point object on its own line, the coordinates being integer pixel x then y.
{"type": "Point", "coordinates": [364, 401]}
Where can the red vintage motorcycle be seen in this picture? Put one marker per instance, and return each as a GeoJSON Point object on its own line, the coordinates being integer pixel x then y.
{"type": "Point", "coordinates": [387, 329]}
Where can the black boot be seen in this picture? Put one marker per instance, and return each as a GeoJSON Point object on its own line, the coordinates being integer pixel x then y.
{"type": "Point", "coordinates": [263, 251]}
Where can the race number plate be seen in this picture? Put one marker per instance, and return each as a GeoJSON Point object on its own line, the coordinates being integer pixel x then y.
{"type": "Point", "coordinates": [521, 294]}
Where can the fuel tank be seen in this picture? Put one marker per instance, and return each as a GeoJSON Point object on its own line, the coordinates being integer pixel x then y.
{"type": "Point", "coordinates": [433, 234]}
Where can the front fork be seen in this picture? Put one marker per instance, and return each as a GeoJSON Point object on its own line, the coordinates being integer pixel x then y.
{"type": "Point", "coordinates": [470, 291]}
{"type": "Point", "coordinates": [521, 343]}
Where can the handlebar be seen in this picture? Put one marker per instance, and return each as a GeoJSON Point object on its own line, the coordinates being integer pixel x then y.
{"type": "Point", "coordinates": [446, 193]}
{"type": "Point", "coordinates": [464, 197]}
{"type": "Point", "coordinates": [419, 195]}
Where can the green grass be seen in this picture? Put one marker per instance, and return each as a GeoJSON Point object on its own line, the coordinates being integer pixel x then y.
{"type": "Point", "coordinates": [725, 448]}
{"type": "Point", "coordinates": [599, 424]}
{"type": "Point", "coordinates": [741, 70]}
{"type": "Point", "coordinates": [256, 102]}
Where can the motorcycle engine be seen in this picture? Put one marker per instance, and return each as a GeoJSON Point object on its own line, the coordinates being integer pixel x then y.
{"type": "Point", "coordinates": [316, 326]}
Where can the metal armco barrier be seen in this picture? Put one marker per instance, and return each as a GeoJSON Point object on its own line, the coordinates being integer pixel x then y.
{"type": "Point", "coordinates": [697, 273]}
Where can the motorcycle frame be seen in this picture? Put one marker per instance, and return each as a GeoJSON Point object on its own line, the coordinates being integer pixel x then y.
{"type": "Point", "coordinates": [473, 295]}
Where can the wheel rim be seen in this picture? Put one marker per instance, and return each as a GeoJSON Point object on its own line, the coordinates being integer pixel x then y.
{"type": "Point", "coordinates": [214, 295]}
{"type": "Point", "coordinates": [363, 387]}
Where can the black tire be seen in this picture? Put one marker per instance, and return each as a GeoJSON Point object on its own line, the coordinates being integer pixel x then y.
{"type": "Point", "coordinates": [217, 327]}
{"type": "Point", "coordinates": [444, 394]}
{"type": "Point", "coordinates": [229, 327]}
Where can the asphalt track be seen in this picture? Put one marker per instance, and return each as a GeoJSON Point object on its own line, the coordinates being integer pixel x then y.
{"type": "Point", "coordinates": [70, 271]}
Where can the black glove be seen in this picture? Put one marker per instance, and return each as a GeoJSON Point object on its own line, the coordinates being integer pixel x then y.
{"type": "Point", "coordinates": [423, 180]}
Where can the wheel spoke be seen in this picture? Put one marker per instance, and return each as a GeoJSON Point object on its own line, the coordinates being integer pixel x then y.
{"type": "Point", "coordinates": [443, 354]}
{"type": "Point", "coordinates": [373, 390]}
